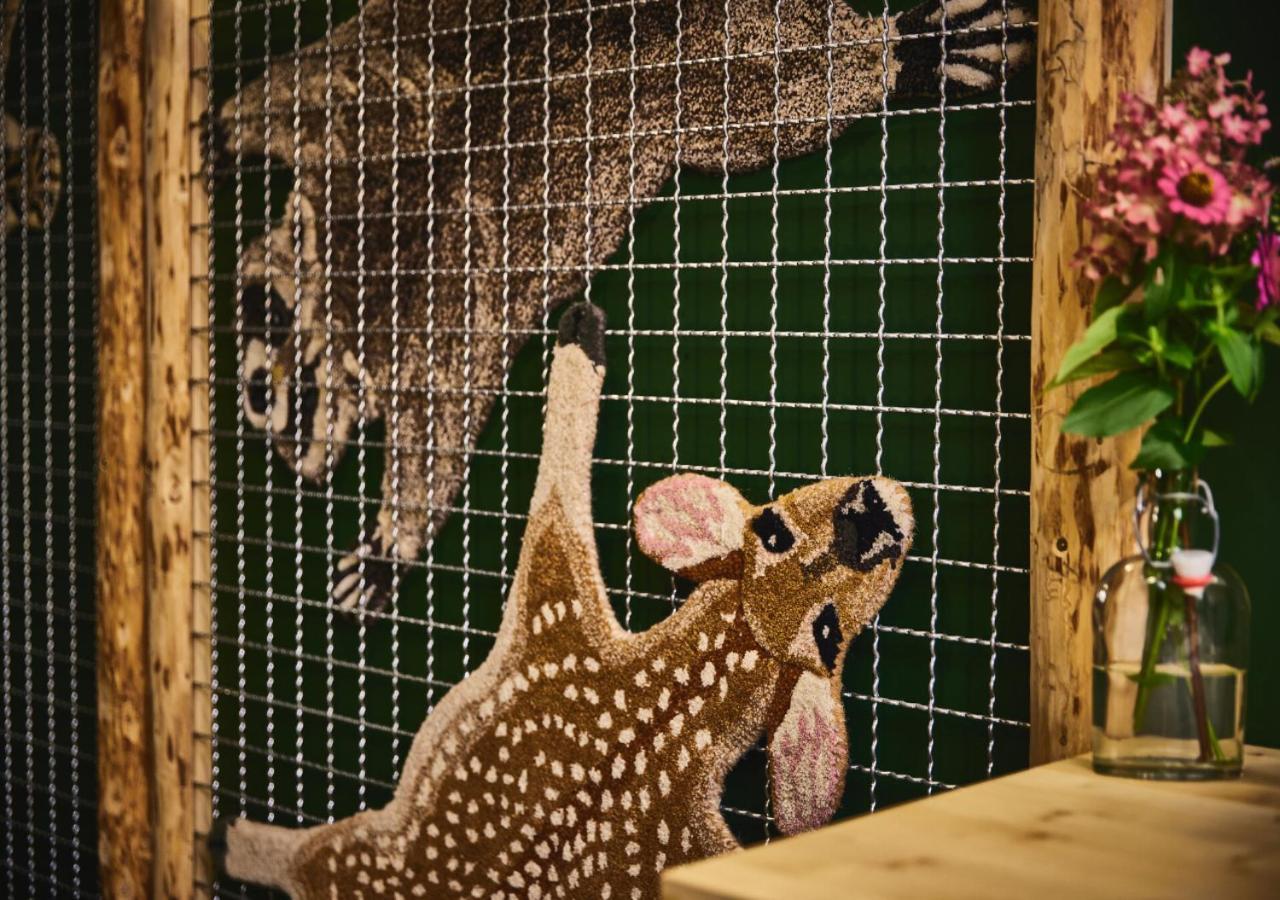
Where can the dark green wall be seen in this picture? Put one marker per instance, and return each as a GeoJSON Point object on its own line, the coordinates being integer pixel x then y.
{"type": "Point", "coordinates": [1244, 476]}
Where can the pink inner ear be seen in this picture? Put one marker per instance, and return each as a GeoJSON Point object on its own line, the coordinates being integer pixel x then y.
{"type": "Point", "coordinates": [808, 755]}
{"type": "Point", "coordinates": [685, 520]}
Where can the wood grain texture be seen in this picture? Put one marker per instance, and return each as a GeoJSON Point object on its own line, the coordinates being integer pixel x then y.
{"type": "Point", "coordinates": [1081, 489]}
{"type": "Point", "coordinates": [124, 726]}
{"type": "Point", "coordinates": [1054, 831]}
{"type": "Point", "coordinates": [168, 163]}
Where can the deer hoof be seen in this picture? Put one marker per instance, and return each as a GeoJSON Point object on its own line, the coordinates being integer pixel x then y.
{"type": "Point", "coordinates": [583, 324]}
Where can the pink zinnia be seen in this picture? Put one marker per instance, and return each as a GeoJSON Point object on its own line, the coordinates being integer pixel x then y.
{"type": "Point", "coordinates": [1196, 190]}
{"type": "Point", "coordinates": [1266, 256]}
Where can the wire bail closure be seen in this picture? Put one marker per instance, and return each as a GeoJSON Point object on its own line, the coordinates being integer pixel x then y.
{"type": "Point", "coordinates": [1202, 495]}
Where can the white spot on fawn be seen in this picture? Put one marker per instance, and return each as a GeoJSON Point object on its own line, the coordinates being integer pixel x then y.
{"type": "Point", "coordinates": [708, 674]}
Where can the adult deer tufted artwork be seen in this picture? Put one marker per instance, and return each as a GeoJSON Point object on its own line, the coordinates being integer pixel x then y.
{"type": "Point", "coordinates": [581, 759]}
{"type": "Point", "coordinates": [454, 189]}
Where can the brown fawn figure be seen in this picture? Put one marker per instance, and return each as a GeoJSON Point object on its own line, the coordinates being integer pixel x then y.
{"type": "Point", "coordinates": [581, 759]}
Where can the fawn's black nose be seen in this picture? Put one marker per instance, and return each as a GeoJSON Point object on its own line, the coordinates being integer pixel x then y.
{"type": "Point", "coordinates": [866, 532]}
{"type": "Point", "coordinates": [259, 391]}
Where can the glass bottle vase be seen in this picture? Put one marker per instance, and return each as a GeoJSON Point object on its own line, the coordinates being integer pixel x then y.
{"type": "Point", "coordinates": [1171, 644]}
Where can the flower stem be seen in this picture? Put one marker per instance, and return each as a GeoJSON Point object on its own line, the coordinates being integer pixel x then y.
{"type": "Point", "coordinates": [1204, 401]}
{"type": "Point", "coordinates": [1208, 749]}
{"type": "Point", "coordinates": [1165, 521]}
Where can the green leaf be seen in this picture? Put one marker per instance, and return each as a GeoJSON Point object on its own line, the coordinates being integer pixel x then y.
{"type": "Point", "coordinates": [1238, 356]}
{"type": "Point", "coordinates": [1110, 294]}
{"type": "Point", "coordinates": [1101, 331]}
{"type": "Point", "coordinates": [1115, 406]}
{"type": "Point", "coordinates": [1164, 285]}
{"type": "Point", "coordinates": [1106, 361]}
{"type": "Point", "coordinates": [1270, 332]}
{"type": "Point", "coordinates": [1179, 354]}
{"type": "Point", "coordinates": [1212, 438]}
{"type": "Point", "coordinates": [1163, 448]}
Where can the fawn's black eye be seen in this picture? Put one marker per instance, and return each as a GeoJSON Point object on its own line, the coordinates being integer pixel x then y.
{"type": "Point", "coordinates": [773, 532]}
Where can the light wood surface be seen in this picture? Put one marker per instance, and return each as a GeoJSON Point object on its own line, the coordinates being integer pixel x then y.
{"type": "Point", "coordinates": [1054, 831]}
{"type": "Point", "coordinates": [168, 162]}
{"type": "Point", "coordinates": [125, 798]}
{"type": "Point", "coordinates": [1081, 489]}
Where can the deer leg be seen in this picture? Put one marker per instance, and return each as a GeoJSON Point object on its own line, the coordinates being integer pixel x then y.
{"type": "Point", "coordinates": [262, 854]}
{"type": "Point", "coordinates": [573, 407]}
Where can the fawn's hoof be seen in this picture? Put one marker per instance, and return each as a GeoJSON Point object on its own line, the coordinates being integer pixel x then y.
{"type": "Point", "coordinates": [583, 324]}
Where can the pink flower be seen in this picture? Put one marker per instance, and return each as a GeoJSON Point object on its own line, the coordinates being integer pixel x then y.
{"type": "Point", "coordinates": [1173, 115]}
{"type": "Point", "coordinates": [1196, 190]}
{"type": "Point", "coordinates": [1222, 107]}
{"type": "Point", "coordinates": [1137, 210]}
{"type": "Point", "coordinates": [1198, 61]}
{"type": "Point", "coordinates": [1237, 129]}
{"type": "Point", "coordinates": [1266, 256]}
{"type": "Point", "coordinates": [1175, 172]}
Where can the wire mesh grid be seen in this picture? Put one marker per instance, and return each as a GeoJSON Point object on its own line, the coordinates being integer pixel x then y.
{"type": "Point", "coordinates": [47, 340]}
{"type": "Point", "coordinates": [860, 307]}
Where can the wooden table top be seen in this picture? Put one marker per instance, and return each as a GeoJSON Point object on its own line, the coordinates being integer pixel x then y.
{"type": "Point", "coordinates": [1052, 831]}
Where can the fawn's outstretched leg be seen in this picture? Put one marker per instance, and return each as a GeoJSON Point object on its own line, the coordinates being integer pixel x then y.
{"type": "Point", "coordinates": [573, 408]}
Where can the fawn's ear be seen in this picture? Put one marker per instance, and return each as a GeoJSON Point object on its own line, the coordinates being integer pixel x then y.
{"type": "Point", "coordinates": [693, 526]}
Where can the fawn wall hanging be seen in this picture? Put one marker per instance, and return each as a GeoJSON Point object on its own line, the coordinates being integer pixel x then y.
{"type": "Point", "coordinates": [581, 759]}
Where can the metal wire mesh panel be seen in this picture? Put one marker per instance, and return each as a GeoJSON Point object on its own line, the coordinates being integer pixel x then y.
{"type": "Point", "coordinates": [861, 306]}
{"type": "Point", "coordinates": [49, 272]}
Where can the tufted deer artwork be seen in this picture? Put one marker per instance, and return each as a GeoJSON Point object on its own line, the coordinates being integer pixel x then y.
{"type": "Point", "coordinates": [32, 163]}
{"type": "Point", "coordinates": [460, 170]}
{"type": "Point", "coordinates": [581, 759]}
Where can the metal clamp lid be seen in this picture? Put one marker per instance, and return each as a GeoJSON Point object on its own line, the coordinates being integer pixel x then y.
{"type": "Point", "coordinates": [1202, 495]}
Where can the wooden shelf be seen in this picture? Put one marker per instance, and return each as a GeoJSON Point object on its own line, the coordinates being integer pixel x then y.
{"type": "Point", "coordinates": [1055, 830]}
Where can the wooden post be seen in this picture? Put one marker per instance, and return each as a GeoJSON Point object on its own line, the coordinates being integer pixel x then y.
{"type": "Point", "coordinates": [169, 165]}
{"type": "Point", "coordinates": [124, 725]}
{"type": "Point", "coordinates": [1081, 489]}
{"type": "Point", "coordinates": [145, 475]}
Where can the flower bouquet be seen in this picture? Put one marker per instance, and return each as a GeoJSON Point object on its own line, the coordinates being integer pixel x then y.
{"type": "Point", "coordinates": [1186, 266]}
